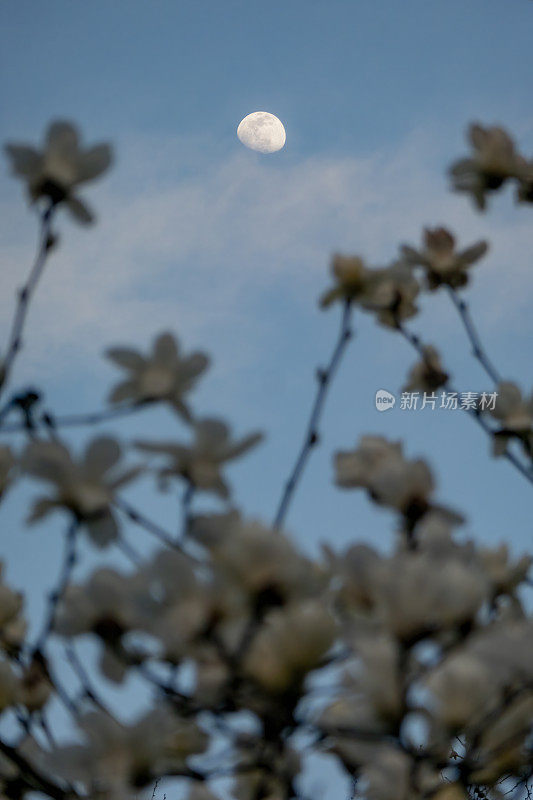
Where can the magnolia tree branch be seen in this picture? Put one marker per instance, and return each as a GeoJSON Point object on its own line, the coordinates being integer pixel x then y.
{"type": "Point", "coordinates": [26, 293]}
{"type": "Point", "coordinates": [311, 436]}
{"type": "Point", "coordinates": [478, 350]}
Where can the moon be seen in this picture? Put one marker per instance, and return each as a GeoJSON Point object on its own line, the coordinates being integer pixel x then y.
{"type": "Point", "coordinates": [262, 131]}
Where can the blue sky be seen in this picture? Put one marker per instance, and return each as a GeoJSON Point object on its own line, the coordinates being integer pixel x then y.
{"type": "Point", "coordinates": [230, 248]}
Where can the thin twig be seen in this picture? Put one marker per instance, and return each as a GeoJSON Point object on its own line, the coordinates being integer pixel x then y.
{"type": "Point", "coordinates": [149, 526]}
{"type": "Point", "coordinates": [324, 377]}
{"type": "Point", "coordinates": [83, 677]}
{"type": "Point", "coordinates": [72, 420]}
{"type": "Point", "coordinates": [26, 293]}
{"type": "Point", "coordinates": [32, 777]}
{"type": "Point", "coordinates": [478, 350]}
{"type": "Point", "coordinates": [57, 593]}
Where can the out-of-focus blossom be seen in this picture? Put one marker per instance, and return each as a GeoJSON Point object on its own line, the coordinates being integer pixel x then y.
{"type": "Point", "coordinates": [428, 374]}
{"type": "Point", "coordinates": [351, 278]}
{"type": "Point", "coordinates": [290, 643]}
{"type": "Point", "coordinates": [85, 487]}
{"type": "Point", "coordinates": [56, 171]}
{"type": "Point", "coordinates": [7, 464]}
{"type": "Point", "coordinates": [200, 463]}
{"type": "Point", "coordinates": [504, 574]}
{"type": "Point", "coordinates": [392, 295]}
{"type": "Point", "coordinates": [109, 605]}
{"type": "Point", "coordinates": [120, 758]}
{"type": "Point", "coordinates": [494, 160]}
{"type": "Point", "coordinates": [12, 622]}
{"type": "Point", "coordinates": [389, 292]}
{"type": "Point", "coordinates": [274, 783]}
{"type": "Point", "coordinates": [261, 562]}
{"type": "Point", "coordinates": [464, 690]}
{"type": "Point", "coordinates": [391, 480]}
{"type": "Point", "coordinates": [443, 264]}
{"type": "Point", "coordinates": [35, 686]}
{"type": "Point", "coordinates": [165, 375]}
{"type": "Point", "coordinates": [387, 775]}
{"type": "Point", "coordinates": [9, 686]}
{"type": "Point", "coordinates": [515, 412]}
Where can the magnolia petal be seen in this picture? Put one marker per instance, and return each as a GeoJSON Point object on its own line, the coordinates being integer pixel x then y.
{"type": "Point", "coordinates": [245, 444]}
{"type": "Point", "coordinates": [94, 161]}
{"type": "Point", "coordinates": [473, 253]}
{"type": "Point", "coordinates": [101, 454]}
{"type": "Point", "coordinates": [24, 160]}
{"type": "Point", "coordinates": [125, 357]}
{"type": "Point", "coordinates": [79, 210]}
{"type": "Point", "coordinates": [165, 349]}
{"type": "Point", "coordinates": [126, 390]}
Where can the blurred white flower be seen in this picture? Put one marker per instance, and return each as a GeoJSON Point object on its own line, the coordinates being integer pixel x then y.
{"type": "Point", "coordinates": [291, 642]}
{"type": "Point", "coordinates": [464, 690]}
{"type": "Point", "coordinates": [427, 375]}
{"type": "Point", "coordinates": [386, 776]}
{"type": "Point", "coordinates": [261, 562]}
{"type": "Point", "coordinates": [515, 412]}
{"type": "Point", "coordinates": [12, 622]}
{"type": "Point", "coordinates": [389, 292]}
{"type": "Point", "coordinates": [60, 168]}
{"type": "Point", "coordinates": [165, 375]}
{"type": "Point", "coordinates": [391, 295]}
{"type": "Point", "coordinates": [200, 463]}
{"type": "Point", "coordinates": [7, 464]}
{"type": "Point", "coordinates": [494, 161]}
{"type": "Point", "coordinates": [443, 264]}
{"type": "Point", "coordinates": [85, 487]}
{"type": "Point", "coordinates": [504, 574]}
{"type": "Point", "coordinates": [117, 759]}
{"type": "Point", "coordinates": [9, 685]}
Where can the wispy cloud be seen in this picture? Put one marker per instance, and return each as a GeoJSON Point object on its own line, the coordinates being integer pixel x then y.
{"type": "Point", "coordinates": [195, 244]}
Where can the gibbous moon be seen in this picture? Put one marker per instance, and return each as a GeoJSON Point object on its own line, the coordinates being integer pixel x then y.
{"type": "Point", "coordinates": [262, 131]}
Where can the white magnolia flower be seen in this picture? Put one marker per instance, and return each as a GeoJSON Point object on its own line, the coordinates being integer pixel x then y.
{"type": "Point", "coordinates": [109, 605]}
{"type": "Point", "coordinates": [117, 759]}
{"type": "Point", "coordinates": [386, 775]}
{"type": "Point", "coordinates": [427, 375]}
{"type": "Point", "coordinates": [7, 464]}
{"type": "Point", "coordinates": [515, 412]}
{"type": "Point", "coordinates": [391, 295]}
{"type": "Point", "coordinates": [389, 292]}
{"type": "Point", "coordinates": [57, 171]}
{"type": "Point", "coordinates": [12, 623]}
{"type": "Point", "coordinates": [200, 463]}
{"type": "Point", "coordinates": [463, 689]}
{"type": "Point", "coordinates": [504, 574]}
{"type": "Point", "coordinates": [261, 562]}
{"type": "Point", "coordinates": [443, 264]}
{"type": "Point", "coordinates": [291, 642]}
{"type": "Point", "coordinates": [494, 161]}
{"type": "Point", "coordinates": [85, 487]}
{"type": "Point", "coordinates": [449, 593]}
{"type": "Point", "coordinates": [275, 781]}
{"type": "Point", "coordinates": [165, 375]}
{"type": "Point", "coordinates": [9, 686]}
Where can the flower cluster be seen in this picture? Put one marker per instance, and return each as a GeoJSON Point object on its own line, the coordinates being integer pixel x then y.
{"type": "Point", "coordinates": [494, 161]}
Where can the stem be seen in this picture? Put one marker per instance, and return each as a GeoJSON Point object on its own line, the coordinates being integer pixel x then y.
{"type": "Point", "coordinates": [186, 516]}
{"type": "Point", "coordinates": [477, 348]}
{"type": "Point", "coordinates": [324, 377]}
{"type": "Point", "coordinates": [71, 420]}
{"type": "Point", "coordinates": [69, 561]}
{"type": "Point", "coordinates": [26, 293]}
{"type": "Point", "coordinates": [139, 519]}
